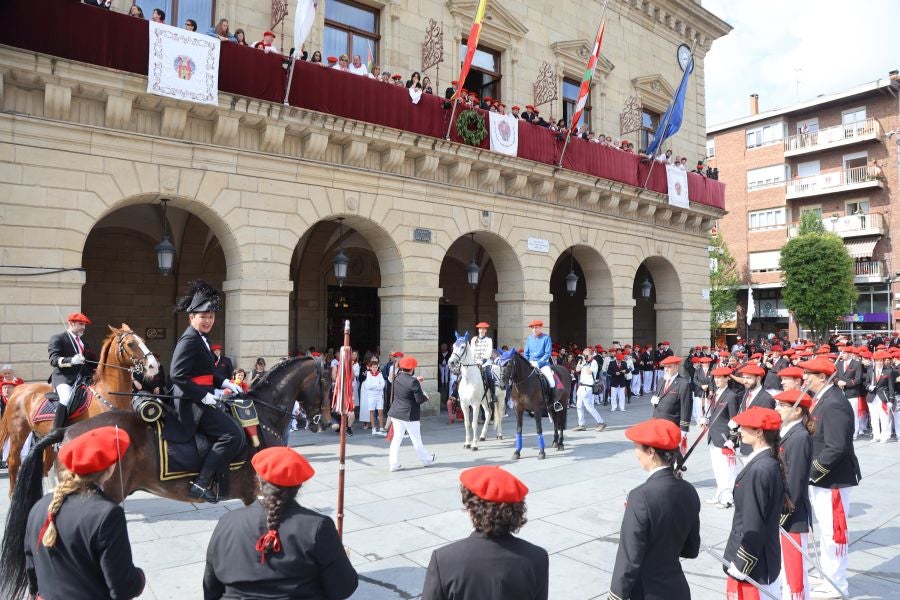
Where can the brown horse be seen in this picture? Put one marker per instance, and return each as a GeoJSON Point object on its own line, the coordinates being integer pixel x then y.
{"type": "Point", "coordinates": [123, 353]}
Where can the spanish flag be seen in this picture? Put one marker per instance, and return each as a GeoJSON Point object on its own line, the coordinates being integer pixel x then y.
{"type": "Point", "coordinates": [471, 46]}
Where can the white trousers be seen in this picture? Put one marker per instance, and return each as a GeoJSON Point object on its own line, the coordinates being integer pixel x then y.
{"type": "Point", "coordinates": [659, 374]}
{"type": "Point", "coordinates": [896, 423]}
{"type": "Point", "coordinates": [832, 557]}
{"type": "Point", "coordinates": [724, 472]}
{"type": "Point", "coordinates": [647, 377]}
{"type": "Point", "coordinates": [635, 383]}
{"type": "Point", "coordinates": [547, 372]}
{"type": "Point", "coordinates": [881, 421]}
{"type": "Point", "coordinates": [415, 436]}
{"type": "Point", "coordinates": [64, 391]}
{"type": "Point", "coordinates": [617, 394]}
{"type": "Point", "coordinates": [584, 399]}
{"type": "Point", "coordinates": [26, 448]}
{"type": "Point", "coordinates": [854, 406]}
{"type": "Point", "coordinates": [697, 409]}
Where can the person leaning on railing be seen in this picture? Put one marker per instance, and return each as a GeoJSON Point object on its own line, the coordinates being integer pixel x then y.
{"type": "Point", "coordinates": [221, 31]}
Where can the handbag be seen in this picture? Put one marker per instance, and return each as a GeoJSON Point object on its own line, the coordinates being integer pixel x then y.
{"type": "Point", "coordinates": [597, 388]}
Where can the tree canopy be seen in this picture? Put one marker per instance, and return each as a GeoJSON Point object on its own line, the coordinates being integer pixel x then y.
{"type": "Point", "coordinates": [723, 282]}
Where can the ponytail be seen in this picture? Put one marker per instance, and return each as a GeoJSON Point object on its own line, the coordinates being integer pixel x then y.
{"type": "Point", "coordinates": [773, 437]}
{"type": "Point", "coordinates": [274, 500]}
{"type": "Point", "coordinates": [71, 484]}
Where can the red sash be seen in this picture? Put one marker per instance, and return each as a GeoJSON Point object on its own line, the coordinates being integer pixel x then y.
{"type": "Point", "coordinates": [206, 380]}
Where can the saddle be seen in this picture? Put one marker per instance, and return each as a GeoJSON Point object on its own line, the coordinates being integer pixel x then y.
{"type": "Point", "coordinates": [82, 398]}
{"type": "Point", "coordinates": [548, 393]}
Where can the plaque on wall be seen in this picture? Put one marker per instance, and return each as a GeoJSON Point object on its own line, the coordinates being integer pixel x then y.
{"type": "Point", "coordinates": [155, 333]}
{"type": "Point", "coordinates": [422, 235]}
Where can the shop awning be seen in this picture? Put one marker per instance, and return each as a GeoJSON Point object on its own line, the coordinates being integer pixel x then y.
{"type": "Point", "coordinates": [861, 248]}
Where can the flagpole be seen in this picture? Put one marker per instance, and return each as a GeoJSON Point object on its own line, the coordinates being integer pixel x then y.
{"type": "Point", "coordinates": [593, 71]}
{"type": "Point", "coordinates": [662, 129]}
{"type": "Point", "coordinates": [471, 47]}
{"type": "Point", "coordinates": [287, 90]}
{"type": "Point", "coordinates": [343, 383]}
{"type": "Point", "coordinates": [452, 114]}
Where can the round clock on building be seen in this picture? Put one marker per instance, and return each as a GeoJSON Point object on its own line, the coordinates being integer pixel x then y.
{"type": "Point", "coordinates": [684, 56]}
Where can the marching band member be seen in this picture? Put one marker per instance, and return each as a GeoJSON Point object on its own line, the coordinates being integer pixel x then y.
{"type": "Point", "coordinates": [275, 548]}
{"type": "Point", "coordinates": [753, 548]}
{"type": "Point", "coordinates": [647, 369]}
{"type": "Point", "coordinates": [76, 541]}
{"type": "Point", "coordinates": [773, 365]}
{"type": "Point", "coordinates": [834, 471]}
{"type": "Point", "coordinates": [722, 410]}
{"type": "Point", "coordinates": [880, 385]}
{"type": "Point", "coordinates": [405, 413]}
{"type": "Point", "coordinates": [796, 450]}
{"type": "Point", "coordinates": [791, 378]}
{"type": "Point", "coordinates": [67, 357]}
{"type": "Point", "coordinates": [849, 377]}
{"type": "Point", "coordinates": [703, 388]}
{"type": "Point", "coordinates": [672, 400]}
{"type": "Point", "coordinates": [490, 564]}
{"type": "Point", "coordinates": [661, 522]}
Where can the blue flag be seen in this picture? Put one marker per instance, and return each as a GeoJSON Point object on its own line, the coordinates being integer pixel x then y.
{"type": "Point", "coordinates": [672, 118]}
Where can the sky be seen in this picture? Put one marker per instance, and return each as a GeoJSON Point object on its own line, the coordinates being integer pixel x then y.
{"type": "Point", "coordinates": [836, 45]}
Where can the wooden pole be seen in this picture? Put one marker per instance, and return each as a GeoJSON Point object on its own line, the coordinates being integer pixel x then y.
{"type": "Point", "coordinates": [344, 380]}
{"type": "Point", "coordinates": [287, 90]}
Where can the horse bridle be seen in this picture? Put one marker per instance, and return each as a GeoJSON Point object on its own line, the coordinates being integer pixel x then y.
{"type": "Point", "coordinates": [137, 367]}
{"type": "Point", "coordinates": [461, 363]}
{"type": "Point", "coordinates": [534, 371]}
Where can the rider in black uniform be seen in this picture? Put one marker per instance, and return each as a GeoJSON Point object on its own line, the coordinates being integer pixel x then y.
{"type": "Point", "coordinates": [194, 382]}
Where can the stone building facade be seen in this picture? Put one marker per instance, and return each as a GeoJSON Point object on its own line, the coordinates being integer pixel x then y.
{"type": "Point", "coordinates": [260, 200]}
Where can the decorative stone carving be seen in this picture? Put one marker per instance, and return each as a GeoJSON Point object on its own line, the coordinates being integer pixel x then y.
{"type": "Point", "coordinates": [459, 171]}
{"type": "Point", "coordinates": [488, 177]}
{"type": "Point", "coordinates": [271, 137]}
{"type": "Point", "coordinates": [392, 158]}
{"type": "Point", "coordinates": [354, 152]}
{"type": "Point", "coordinates": [57, 101]}
{"type": "Point", "coordinates": [225, 131]}
{"type": "Point", "coordinates": [426, 165]}
{"type": "Point", "coordinates": [630, 206]}
{"type": "Point", "coordinates": [500, 27]}
{"type": "Point", "coordinates": [589, 197]}
{"type": "Point", "coordinates": [648, 210]}
{"type": "Point", "coordinates": [542, 189]}
{"type": "Point", "coordinates": [314, 145]}
{"type": "Point", "coordinates": [173, 122]}
{"type": "Point", "coordinates": [567, 192]}
{"type": "Point", "coordinates": [664, 216]}
{"type": "Point", "coordinates": [118, 112]}
{"type": "Point", "coordinates": [610, 202]}
{"type": "Point", "coordinates": [573, 54]}
{"type": "Point", "coordinates": [515, 183]}
{"type": "Point", "coordinates": [655, 91]}
{"type": "Point", "coordinates": [351, 201]}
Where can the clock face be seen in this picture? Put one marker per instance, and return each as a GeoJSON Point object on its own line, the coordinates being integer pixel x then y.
{"type": "Point", "coordinates": [684, 56]}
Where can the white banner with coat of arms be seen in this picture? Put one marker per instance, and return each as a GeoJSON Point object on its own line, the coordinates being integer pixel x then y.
{"type": "Point", "coordinates": [183, 65]}
{"type": "Point", "coordinates": [504, 133]}
{"type": "Point", "coordinates": [678, 186]}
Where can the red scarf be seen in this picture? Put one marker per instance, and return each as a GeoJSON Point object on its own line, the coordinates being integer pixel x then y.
{"type": "Point", "coordinates": [839, 521]}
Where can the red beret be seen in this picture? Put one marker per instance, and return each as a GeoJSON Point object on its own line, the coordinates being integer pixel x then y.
{"type": "Point", "coordinates": [483, 324]}
{"type": "Point", "coordinates": [665, 343]}
{"type": "Point", "coordinates": [493, 484]}
{"type": "Point", "coordinates": [216, 347]}
{"type": "Point", "coordinates": [788, 353]}
{"type": "Point", "coordinates": [721, 372]}
{"type": "Point", "coordinates": [268, 33]}
{"type": "Point", "coordinates": [317, 354]}
{"type": "Point", "coordinates": [705, 359]}
{"type": "Point", "coordinates": [823, 349]}
{"type": "Point", "coordinates": [620, 356]}
{"type": "Point", "coordinates": [396, 354]}
{"type": "Point", "coordinates": [881, 355]}
{"type": "Point", "coordinates": [756, 355]}
{"type": "Point", "coordinates": [790, 397]}
{"type": "Point", "coordinates": [332, 59]}
{"type": "Point", "coordinates": [282, 466]}
{"type": "Point", "coordinates": [554, 353]}
{"type": "Point", "coordinates": [396, 76]}
{"type": "Point", "coordinates": [758, 417]}
{"type": "Point", "coordinates": [454, 82]}
{"type": "Point", "coordinates": [795, 372]}
{"type": "Point", "coordinates": [408, 363]}
{"type": "Point", "coordinates": [78, 317]}
{"type": "Point", "coordinates": [536, 323]}
{"type": "Point", "coordinates": [529, 107]}
{"type": "Point", "coordinates": [599, 347]}
{"type": "Point", "coordinates": [698, 348]}
{"type": "Point", "coordinates": [695, 360]}
{"type": "Point", "coordinates": [657, 433]}
{"type": "Point", "coordinates": [670, 360]}
{"type": "Point", "coordinates": [755, 370]}
{"type": "Point", "coordinates": [516, 107]}
{"type": "Point", "coordinates": [819, 365]}
{"type": "Point", "coordinates": [881, 347]}
{"type": "Point", "coordinates": [94, 450]}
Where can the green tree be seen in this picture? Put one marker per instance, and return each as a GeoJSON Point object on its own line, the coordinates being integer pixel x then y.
{"type": "Point", "coordinates": [723, 282]}
{"type": "Point", "coordinates": [818, 277]}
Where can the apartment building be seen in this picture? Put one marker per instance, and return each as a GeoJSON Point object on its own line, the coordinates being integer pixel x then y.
{"type": "Point", "coordinates": [837, 156]}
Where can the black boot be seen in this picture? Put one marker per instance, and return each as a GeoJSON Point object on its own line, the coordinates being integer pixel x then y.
{"type": "Point", "coordinates": [222, 485]}
{"type": "Point", "coordinates": [201, 489]}
{"type": "Point", "coordinates": [554, 397]}
{"type": "Point", "coordinates": [62, 413]}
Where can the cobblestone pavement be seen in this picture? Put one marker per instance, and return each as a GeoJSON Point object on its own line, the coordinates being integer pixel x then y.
{"type": "Point", "coordinates": [393, 521]}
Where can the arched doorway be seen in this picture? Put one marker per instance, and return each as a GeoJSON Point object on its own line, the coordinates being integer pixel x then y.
{"type": "Point", "coordinates": [584, 316]}
{"type": "Point", "coordinates": [123, 283]}
{"type": "Point", "coordinates": [658, 306]}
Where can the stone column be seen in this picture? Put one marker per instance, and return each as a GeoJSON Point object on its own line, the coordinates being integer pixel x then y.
{"type": "Point", "coordinates": [670, 326]}
{"type": "Point", "coordinates": [257, 319]}
{"type": "Point", "coordinates": [599, 319]}
{"type": "Point", "coordinates": [409, 323]}
{"type": "Point", "coordinates": [516, 310]}
{"type": "Point", "coordinates": [621, 323]}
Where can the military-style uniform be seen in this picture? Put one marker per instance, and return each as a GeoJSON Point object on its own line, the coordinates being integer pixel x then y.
{"type": "Point", "coordinates": [61, 349]}
{"type": "Point", "coordinates": [674, 402]}
{"type": "Point", "coordinates": [880, 385]}
{"type": "Point", "coordinates": [722, 458]}
{"type": "Point", "coordinates": [853, 375]}
{"type": "Point", "coordinates": [312, 564]}
{"type": "Point", "coordinates": [796, 451]}
{"type": "Point", "coordinates": [772, 381]}
{"type": "Point", "coordinates": [487, 568]}
{"type": "Point", "coordinates": [661, 524]}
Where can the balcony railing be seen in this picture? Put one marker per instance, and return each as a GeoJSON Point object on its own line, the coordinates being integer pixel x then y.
{"type": "Point", "coordinates": [832, 137]}
{"type": "Point", "coordinates": [838, 180]}
{"type": "Point", "coordinates": [850, 226]}
{"type": "Point", "coordinates": [870, 268]}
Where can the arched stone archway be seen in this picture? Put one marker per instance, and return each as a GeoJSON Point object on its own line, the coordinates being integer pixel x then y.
{"type": "Point", "coordinates": [659, 317]}
{"type": "Point", "coordinates": [584, 317]}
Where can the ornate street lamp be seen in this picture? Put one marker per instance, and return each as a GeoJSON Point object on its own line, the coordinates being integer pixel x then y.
{"type": "Point", "coordinates": [165, 249]}
{"type": "Point", "coordinates": [571, 278]}
{"type": "Point", "coordinates": [340, 261]}
{"type": "Point", "coordinates": [646, 288]}
{"type": "Point", "coordinates": [472, 269]}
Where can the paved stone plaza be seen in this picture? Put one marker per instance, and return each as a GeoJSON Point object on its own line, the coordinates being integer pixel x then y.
{"type": "Point", "coordinates": [394, 520]}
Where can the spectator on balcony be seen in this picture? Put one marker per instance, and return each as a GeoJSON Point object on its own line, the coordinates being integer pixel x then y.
{"type": "Point", "coordinates": [135, 11]}
{"type": "Point", "coordinates": [99, 3]}
{"type": "Point", "coordinates": [221, 31]}
{"type": "Point", "coordinates": [414, 81]}
{"type": "Point", "coordinates": [240, 38]}
{"type": "Point", "coordinates": [190, 25]}
{"type": "Point", "coordinates": [386, 76]}
{"type": "Point", "coordinates": [266, 44]}
{"type": "Point", "coordinates": [875, 171]}
{"type": "Point", "coordinates": [528, 113]}
{"type": "Point", "coordinates": [358, 68]}
{"type": "Point", "coordinates": [516, 111]}
{"type": "Point", "coordinates": [501, 108]}
{"type": "Point", "coordinates": [426, 85]}
{"type": "Point", "coordinates": [376, 72]}
{"type": "Point", "coordinates": [343, 63]}
{"type": "Point", "coordinates": [448, 93]}
{"type": "Point", "coordinates": [538, 119]}
{"type": "Point", "coordinates": [682, 163]}
{"type": "Point", "coordinates": [699, 168]}
{"type": "Point", "coordinates": [158, 16]}
{"type": "Point", "coordinates": [316, 57]}
{"type": "Point", "coordinates": [397, 79]}
{"type": "Point", "coordinates": [665, 158]}
{"type": "Point", "coordinates": [332, 62]}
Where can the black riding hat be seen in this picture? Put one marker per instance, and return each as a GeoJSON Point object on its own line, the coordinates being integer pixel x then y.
{"type": "Point", "coordinates": [200, 297]}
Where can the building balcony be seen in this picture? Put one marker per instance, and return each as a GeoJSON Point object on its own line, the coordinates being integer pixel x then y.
{"type": "Point", "coordinates": [871, 224]}
{"type": "Point", "coordinates": [834, 181]}
{"type": "Point", "coordinates": [832, 137]}
{"type": "Point", "coordinates": [869, 271]}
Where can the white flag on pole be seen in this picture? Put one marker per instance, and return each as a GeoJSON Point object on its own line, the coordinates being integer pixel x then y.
{"type": "Point", "coordinates": [183, 65]}
{"type": "Point", "coordinates": [504, 133]}
{"type": "Point", "coordinates": [304, 18]}
{"type": "Point", "coordinates": [678, 186]}
{"type": "Point", "coordinates": [751, 305]}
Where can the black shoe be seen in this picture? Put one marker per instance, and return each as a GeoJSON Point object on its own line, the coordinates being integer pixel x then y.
{"type": "Point", "coordinates": [3, 464]}
{"type": "Point", "coordinates": [349, 431]}
{"type": "Point", "coordinates": [62, 413]}
{"type": "Point", "coordinates": [200, 489]}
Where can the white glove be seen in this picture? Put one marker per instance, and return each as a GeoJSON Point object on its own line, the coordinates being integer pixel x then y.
{"type": "Point", "coordinates": [871, 388]}
{"type": "Point", "coordinates": [729, 444]}
{"type": "Point", "coordinates": [703, 422]}
{"type": "Point", "coordinates": [230, 385]}
{"type": "Point", "coordinates": [78, 359]}
{"type": "Point", "coordinates": [654, 400]}
{"type": "Point", "coordinates": [209, 400]}
{"type": "Point", "coordinates": [733, 572]}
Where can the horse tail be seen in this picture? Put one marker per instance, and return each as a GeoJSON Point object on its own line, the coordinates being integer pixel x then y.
{"type": "Point", "coordinates": [28, 490]}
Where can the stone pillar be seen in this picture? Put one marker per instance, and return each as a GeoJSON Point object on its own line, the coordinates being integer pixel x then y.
{"type": "Point", "coordinates": [257, 319]}
{"type": "Point", "coordinates": [409, 323]}
{"type": "Point", "coordinates": [621, 324]}
{"type": "Point", "coordinates": [515, 311]}
{"type": "Point", "coordinates": [599, 319]}
{"type": "Point", "coordinates": [670, 326]}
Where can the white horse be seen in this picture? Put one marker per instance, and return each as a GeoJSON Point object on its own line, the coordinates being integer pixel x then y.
{"type": "Point", "coordinates": [472, 393]}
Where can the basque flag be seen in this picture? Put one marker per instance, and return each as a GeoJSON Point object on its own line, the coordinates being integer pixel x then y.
{"type": "Point", "coordinates": [588, 76]}
{"type": "Point", "coordinates": [675, 113]}
{"type": "Point", "coordinates": [471, 46]}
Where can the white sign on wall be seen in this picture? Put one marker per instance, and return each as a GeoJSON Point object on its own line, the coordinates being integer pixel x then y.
{"type": "Point", "coordinates": [705, 293]}
{"type": "Point", "coordinates": [538, 245]}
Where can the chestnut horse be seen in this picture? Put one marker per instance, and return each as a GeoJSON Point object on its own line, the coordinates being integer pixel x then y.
{"type": "Point", "coordinates": [123, 354]}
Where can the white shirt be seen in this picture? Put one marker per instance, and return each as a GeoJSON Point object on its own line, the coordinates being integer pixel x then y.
{"type": "Point", "coordinates": [482, 347]}
{"type": "Point", "coordinates": [652, 471]}
{"type": "Point", "coordinates": [755, 452]}
{"type": "Point", "coordinates": [588, 375]}
{"type": "Point", "coordinates": [360, 70]}
{"type": "Point", "coordinates": [788, 427]}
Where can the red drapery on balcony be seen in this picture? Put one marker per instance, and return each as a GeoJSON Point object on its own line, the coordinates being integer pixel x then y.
{"type": "Point", "coordinates": [87, 34]}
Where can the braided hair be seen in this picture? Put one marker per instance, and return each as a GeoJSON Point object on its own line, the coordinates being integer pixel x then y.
{"type": "Point", "coordinates": [70, 484]}
{"type": "Point", "coordinates": [274, 500]}
{"type": "Point", "coordinates": [773, 439]}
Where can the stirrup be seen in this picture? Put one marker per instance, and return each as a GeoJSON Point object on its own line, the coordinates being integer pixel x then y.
{"type": "Point", "coordinates": [557, 406]}
{"type": "Point", "coordinates": [202, 493]}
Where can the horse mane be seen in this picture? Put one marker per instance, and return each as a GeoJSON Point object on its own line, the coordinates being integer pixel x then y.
{"type": "Point", "coordinates": [100, 372]}
{"type": "Point", "coordinates": [266, 380]}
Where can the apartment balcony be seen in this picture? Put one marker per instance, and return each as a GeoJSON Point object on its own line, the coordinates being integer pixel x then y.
{"type": "Point", "coordinates": [832, 137]}
{"type": "Point", "coordinates": [870, 271]}
{"type": "Point", "coordinates": [851, 226]}
{"type": "Point", "coordinates": [834, 181]}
